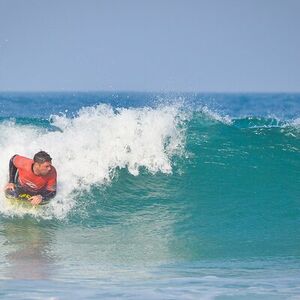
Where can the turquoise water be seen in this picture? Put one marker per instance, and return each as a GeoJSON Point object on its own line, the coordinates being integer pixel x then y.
{"type": "Point", "coordinates": [161, 196]}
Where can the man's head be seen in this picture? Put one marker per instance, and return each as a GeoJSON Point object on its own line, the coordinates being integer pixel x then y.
{"type": "Point", "coordinates": [42, 161]}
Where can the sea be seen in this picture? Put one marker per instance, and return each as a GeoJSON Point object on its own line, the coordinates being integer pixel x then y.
{"type": "Point", "coordinates": [160, 196]}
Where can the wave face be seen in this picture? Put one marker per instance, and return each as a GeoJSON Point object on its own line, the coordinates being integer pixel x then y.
{"type": "Point", "coordinates": [153, 180]}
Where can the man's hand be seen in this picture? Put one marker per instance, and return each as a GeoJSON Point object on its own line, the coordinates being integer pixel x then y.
{"type": "Point", "coordinates": [35, 200]}
{"type": "Point", "coordinates": [10, 186]}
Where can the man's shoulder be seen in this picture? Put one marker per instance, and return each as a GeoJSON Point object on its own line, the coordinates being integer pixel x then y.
{"type": "Point", "coordinates": [22, 161]}
{"type": "Point", "coordinates": [53, 172]}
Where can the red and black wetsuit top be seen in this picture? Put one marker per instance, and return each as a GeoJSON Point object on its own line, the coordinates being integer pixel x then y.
{"type": "Point", "coordinates": [28, 181]}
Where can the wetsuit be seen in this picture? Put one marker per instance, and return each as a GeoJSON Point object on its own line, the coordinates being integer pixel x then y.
{"type": "Point", "coordinates": [22, 175]}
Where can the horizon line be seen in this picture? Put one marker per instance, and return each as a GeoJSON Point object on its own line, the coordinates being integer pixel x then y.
{"type": "Point", "coordinates": [149, 91]}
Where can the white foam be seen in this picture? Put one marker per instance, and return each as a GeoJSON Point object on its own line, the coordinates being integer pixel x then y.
{"type": "Point", "coordinates": [296, 123]}
{"type": "Point", "coordinates": [93, 145]}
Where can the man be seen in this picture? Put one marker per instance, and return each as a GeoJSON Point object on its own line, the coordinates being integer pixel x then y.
{"type": "Point", "coordinates": [35, 177]}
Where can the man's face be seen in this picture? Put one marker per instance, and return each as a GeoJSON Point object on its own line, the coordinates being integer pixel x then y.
{"type": "Point", "coordinates": [44, 168]}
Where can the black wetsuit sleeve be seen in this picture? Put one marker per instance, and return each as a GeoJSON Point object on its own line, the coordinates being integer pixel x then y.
{"type": "Point", "coordinates": [12, 170]}
{"type": "Point", "coordinates": [48, 195]}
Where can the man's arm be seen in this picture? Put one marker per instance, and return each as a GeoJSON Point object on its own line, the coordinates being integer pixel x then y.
{"type": "Point", "coordinates": [12, 170]}
{"type": "Point", "coordinates": [50, 191]}
{"type": "Point", "coordinates": [48, 195]}
{"type": "Point", "coordinates": [44, 195]}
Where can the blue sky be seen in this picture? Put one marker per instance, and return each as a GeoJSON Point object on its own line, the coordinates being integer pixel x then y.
{"type": "Point", "coordinates": [166, 45]}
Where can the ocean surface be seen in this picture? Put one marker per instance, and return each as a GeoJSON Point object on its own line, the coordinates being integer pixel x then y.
{"type": "Point", "coordinates": [160, 196]}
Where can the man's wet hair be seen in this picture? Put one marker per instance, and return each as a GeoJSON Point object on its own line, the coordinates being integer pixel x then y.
{"type": "Point", "coordinates": [42, 157]}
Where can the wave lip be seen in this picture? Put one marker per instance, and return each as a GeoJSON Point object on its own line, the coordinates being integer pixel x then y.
{"type": "Point", "coordinates": [122, 138]}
